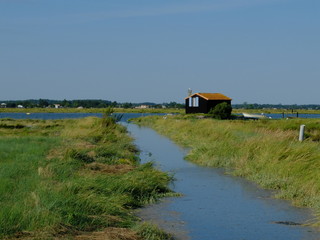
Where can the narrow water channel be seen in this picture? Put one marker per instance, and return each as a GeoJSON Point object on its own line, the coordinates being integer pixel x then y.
{"type": "Point", "coordinates": [216, 206]}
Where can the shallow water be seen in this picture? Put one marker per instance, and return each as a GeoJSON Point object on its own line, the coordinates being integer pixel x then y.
{"type": "Point", "coordinates": [47, 116]}
{"type": "Point", "coordinates": [52, 116]}
{"type": "Point", "coordinates": [215, 205]}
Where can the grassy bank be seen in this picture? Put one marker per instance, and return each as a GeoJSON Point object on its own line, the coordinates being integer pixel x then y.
{"type": "Point", "coordinates": [74, 179]}
{"type": "Point", "coordinates": [267, 152]}
{"type": "Point", "coordinates": [278, 111]}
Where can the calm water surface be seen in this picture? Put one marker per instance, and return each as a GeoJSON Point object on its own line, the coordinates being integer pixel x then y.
{"type": "Point", "coordinates": [215, 205]}
{"type": "Point", "coordinates": [47, 116]}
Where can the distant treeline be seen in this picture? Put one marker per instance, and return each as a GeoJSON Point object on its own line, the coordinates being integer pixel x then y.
{"type": "Point", "coordinates": [89, 103]}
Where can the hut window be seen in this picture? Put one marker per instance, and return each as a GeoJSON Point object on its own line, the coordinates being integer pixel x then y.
{"type": "Point", "coordinates": [195, 101]}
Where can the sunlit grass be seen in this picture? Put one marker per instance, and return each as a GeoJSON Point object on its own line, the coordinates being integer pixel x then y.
{"type": "Point", "coordinates": [20, 160]}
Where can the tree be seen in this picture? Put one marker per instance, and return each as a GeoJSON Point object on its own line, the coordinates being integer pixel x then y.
{"type": "Point", "coordinates": [43, 103]}
{"type": "Point", "coordinates": [65, 103]}
{"type": "Point", "coordinates": [221, 111]}
{"type": "Point", "coordinates": [127, 105]}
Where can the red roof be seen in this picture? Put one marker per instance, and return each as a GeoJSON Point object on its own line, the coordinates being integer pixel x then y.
{"type": "Point", "coordinates": [211, 96]}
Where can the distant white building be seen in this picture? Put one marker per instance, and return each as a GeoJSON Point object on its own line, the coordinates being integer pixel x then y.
{"type": "Point", "coordinates": [143, 106]}
{"type": "Point", "coordinates": [20, 106]}
{"type": "Point", "coordinates": [3, 105]}
{"type": "Point", "coordinates": [57, 105]}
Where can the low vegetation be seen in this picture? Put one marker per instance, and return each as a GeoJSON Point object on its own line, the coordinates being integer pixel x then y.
{"type": "Point", "coordinates": [221, 111]}
{"type": "Point", "coordinates": [265, 151]}
{"type": "Point", "coordinates": [74, 179]}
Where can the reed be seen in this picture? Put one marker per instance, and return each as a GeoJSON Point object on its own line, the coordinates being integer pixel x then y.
{"type": "Point", "coordinates": [267, 152]}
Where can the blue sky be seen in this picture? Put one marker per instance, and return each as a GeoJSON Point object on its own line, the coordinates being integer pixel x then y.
{"type": "Point", "coordinates": [255, 51]}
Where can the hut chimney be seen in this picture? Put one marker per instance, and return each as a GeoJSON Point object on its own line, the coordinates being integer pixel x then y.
{"type": "Point", "coordinates": [189, 92]}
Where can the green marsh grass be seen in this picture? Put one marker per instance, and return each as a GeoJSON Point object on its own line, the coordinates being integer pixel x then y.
{"type": "Point", "coordinates": [267, 152]}
{"type": "Point", "coordinates": [62, 178]}
{"type": "Point", "coordinates": [20, 160]}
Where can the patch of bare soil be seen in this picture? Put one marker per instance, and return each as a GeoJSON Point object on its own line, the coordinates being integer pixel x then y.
{"type": "Point", "coordinates": [110, 169]}
{"type": "Point", "coordinates": [109, 234]}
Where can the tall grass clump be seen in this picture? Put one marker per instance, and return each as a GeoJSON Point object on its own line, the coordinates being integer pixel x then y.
{"type": "Point", "coordinates": [267, 152]}
{"type": "Point", "coordinates": [78, 176]}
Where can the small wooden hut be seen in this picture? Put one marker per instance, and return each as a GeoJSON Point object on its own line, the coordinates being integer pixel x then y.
{"type": "Point", "coordinates": [204, 102]}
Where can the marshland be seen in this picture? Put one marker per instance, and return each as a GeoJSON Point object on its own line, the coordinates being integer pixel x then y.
{"type": "Point", "coordinates": [82, 178]}
{"type": "Point", "coordinates": [74, 179]}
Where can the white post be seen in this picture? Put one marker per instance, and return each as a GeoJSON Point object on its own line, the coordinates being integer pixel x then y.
{"type": "Point", "coordinates": [301, 134]}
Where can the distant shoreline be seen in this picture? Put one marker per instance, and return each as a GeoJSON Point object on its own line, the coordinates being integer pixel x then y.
{"type": "Point", "coordinates": [90, 110]}
{"type": "Point", "coordinates": [147, 110]}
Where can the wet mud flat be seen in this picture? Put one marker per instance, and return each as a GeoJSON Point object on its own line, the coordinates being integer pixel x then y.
{"type": "Point", "coordinates": [168, 220]}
